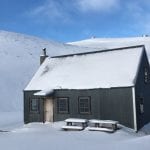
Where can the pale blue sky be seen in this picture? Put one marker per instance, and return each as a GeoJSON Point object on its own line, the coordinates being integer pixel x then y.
{"type": "Point", "coordinates": [71, 20]}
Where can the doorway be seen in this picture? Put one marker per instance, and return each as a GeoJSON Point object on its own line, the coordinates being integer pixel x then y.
{"type": "Point", "coordinates": [48, 110]}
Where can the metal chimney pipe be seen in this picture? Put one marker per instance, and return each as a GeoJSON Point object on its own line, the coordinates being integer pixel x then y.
{"type": "Point", "coordinates": [44, 51]}
{"type": "Point", "coordinates": [43, 56]}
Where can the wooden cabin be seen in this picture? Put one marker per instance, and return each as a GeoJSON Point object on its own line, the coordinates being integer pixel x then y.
{"type": "Point", "coordinates": [111, 84]}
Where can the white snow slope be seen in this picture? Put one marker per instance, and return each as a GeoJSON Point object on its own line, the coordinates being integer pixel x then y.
{"type": "Point", "coordinates": [49, 136]}
{"type": "Point", "coordinates": [108, 43]}
{"type": "Point", "coordinates": [19, 60]}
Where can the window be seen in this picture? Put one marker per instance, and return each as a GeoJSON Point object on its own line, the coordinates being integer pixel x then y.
{"type": "Point", "coordinates": [84, 105]}
{"type": "Point", "coordinates": [146, 75]}
{"type": "Point", "coordinates": [62, 105]}
{"type": "Point", "coordinates": [141, 105]}
{"type": "Point", "coordinates": [34, 105]}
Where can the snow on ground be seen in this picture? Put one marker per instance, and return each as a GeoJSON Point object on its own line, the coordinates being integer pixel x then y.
{"type": "Point", "coordinates": [39, 136]}
{"type": "Point", "coordinates": [10, 120]}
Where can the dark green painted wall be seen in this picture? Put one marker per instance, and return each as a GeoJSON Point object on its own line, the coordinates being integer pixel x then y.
{"type": "Point", "coordinates": [30, 116]}
{"type": "Point", "coordinates": [117, 104]}
{"type": "Point", "coordinates": [142, 90]}
{"type": "Point", "coordinates": [114, 104]}
{"type": "Point", "coordinates": [73, 103]}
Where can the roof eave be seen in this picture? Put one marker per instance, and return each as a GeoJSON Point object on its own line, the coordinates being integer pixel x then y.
{"type": "Point", "coordinates": [138, 69]}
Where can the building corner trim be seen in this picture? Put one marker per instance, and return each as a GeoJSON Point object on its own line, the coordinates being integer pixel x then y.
{"type": "Point", "coordinates": [134, 109]}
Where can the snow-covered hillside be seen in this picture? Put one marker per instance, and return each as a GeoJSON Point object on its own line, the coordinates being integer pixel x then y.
{"type": "Point", "coordinates": [19, 59]}
{"type": "Point", "coordinates": [108, 43]}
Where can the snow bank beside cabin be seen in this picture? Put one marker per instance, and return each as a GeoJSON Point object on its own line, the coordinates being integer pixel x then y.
{"type": "Point", "coordinates": [47, 136]}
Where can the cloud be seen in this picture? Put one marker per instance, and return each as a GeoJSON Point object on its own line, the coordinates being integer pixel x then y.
{"type": "Point", "coordinates": [75, 12]}
{"type": "Point", "coordinates": [50, 10]}
{"type": "Point", "coordinates": [97, 5]}
{"type": "Point", "coordinates": [134, 9]}
{"type": "Point", "coordinates": [140, 16]}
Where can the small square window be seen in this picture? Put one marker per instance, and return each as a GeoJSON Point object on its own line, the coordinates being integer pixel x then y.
{"type": "Point", "coordinates": [62, 105]}
{"type": "Point", "coordinates": [141, 105]}
{"type": "Point", "coordinates": [34, 105]}
{"type": "Point", "coordinates": [84, 105]}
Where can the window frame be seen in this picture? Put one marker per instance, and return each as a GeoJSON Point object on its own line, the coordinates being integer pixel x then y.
{"type": "Point", "coordinates": [37, 110]}
{"type": "Point", "coordinates": [89, 105]}
{"type": "Point", "coordinates": [146, 75]}
{"type": "Point", "coordinates": [67, 105]}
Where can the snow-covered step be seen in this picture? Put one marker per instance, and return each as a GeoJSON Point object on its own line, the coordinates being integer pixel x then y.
{"type": "Point", "coordinates": [72, 127]}
{"type": "Point", "coordinates": [75, 124]}
{"type": "Point", "coordinates": [102, 125]}
{"type": "Point", "coordinates": [100, 129]}
{"type": "Point", "coordinates": [76, 120]}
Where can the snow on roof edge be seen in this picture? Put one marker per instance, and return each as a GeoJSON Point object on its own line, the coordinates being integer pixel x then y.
{"type": "Point", "coordinates": [112, 87]}
{"type": "Point", "coordinates": [138, 68]}
{"type": "Point", "coordinates": [99, 51]}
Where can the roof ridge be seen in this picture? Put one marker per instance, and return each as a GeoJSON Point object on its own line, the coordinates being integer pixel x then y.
{"type": "Point", "coordinates": [98, 51]}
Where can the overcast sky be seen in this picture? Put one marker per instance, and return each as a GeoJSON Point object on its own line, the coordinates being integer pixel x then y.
{"type": "Point", "coordinates": [72, 20]}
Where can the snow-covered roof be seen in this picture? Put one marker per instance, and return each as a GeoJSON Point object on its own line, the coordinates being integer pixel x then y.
{"type": "Point", "coordinates": [112, 68]}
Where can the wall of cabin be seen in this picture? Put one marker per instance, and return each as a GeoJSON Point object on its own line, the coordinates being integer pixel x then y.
{"type": "Point", "coordinates": [114, 104]}
{"type": "Point", "coordinates": [142, 90]}
{"type": "Point", "coordinates": [31, 116]}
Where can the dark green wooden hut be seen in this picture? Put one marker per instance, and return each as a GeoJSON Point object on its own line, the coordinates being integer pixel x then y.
{"type": "Point", "coordinates": [111, 84]}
